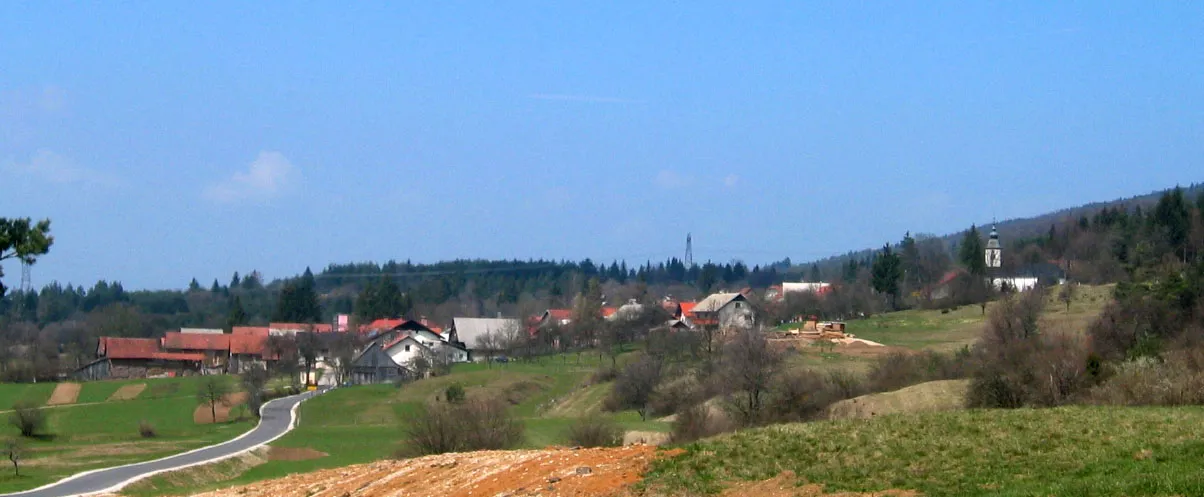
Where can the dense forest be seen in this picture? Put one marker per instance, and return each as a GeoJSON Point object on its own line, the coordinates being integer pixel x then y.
{"type": "Point", "coordinates": [55, 328]}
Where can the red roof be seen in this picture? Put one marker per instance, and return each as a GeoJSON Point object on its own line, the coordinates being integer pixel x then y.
{"type": "Point", "coordinates": [127, 348]}
{"type": "Point", "coordinates": [174, 340]}
{"type": "Point", "coordinates": [687, 309]}
{"type": "Point", "coordinates": [248, 344]}
{"type": "Point", "coordinates": [609, 311]}
{"type": "Point", "coordinates": [140, 348]}
{"type": "Point", "coordinates": [560, 314]}
{"type": "Point", "coordinates": [317, 328]}
{"type": "Point", "coordinates": [178, 356]}
{"type": "Point", "coordinates": [384, 324]}
{"type": "Point", "coordinates": [251, 330]}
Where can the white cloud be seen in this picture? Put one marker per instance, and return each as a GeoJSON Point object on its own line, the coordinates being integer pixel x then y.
{"type": "Point", "coordinates": [731, 180]}
{"type": "Point", "coordinates": [672, 180]}
{"type": "Point", "coordinates": [270, 175]}
{"type": "Point", "coordinates": [46, 165]}
{"type": "Point", "coordinates": [583, 98]}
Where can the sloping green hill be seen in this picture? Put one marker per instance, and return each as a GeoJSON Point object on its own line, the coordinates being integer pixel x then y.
{"type": "Point", "coordinates": [1097, 451]}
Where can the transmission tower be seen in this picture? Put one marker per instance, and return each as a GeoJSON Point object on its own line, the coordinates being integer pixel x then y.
{"type": "Point", "coordinates": [26, 279]}
{"type": "Point", "coordinates": [689, 262]}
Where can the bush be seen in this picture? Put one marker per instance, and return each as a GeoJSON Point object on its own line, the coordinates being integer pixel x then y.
{"type": "Point", "coordinates": [699, 422]}
{"type": "Point", "coordinates": [147, 430]}
{"type": "Point", "coordinates": [595, 431]}
{"type": "Point", "coordinates": [476, 424]}
{"type": "Point", "coordinates": [603, 374]}
{"type": "Point", "coordinates": [903, 369]}
{"type": "Point", "coordinates": [806, 395]}
{"type": "Point", "coordinates": [27, 418]}
{"type": "Point", "coordinates": [635, 385]}
{"type": "Point", "coordinates": [454, 393]}
{"type": "Point", "coordinates": [1147, 381]}
{"type": "Point", "coordinates": [675, 395]}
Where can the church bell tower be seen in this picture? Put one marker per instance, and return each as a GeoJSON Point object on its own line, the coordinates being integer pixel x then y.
{"type": "Point", "coordinates": [994, 254]}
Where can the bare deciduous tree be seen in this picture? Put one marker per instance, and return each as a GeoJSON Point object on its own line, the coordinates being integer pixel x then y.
{"type": "Point", "coordinates": [213, 390]}
{"type": "Point", "coordinates": [14, 449]}
{"type": "Point", "coordinates": [749, 364]}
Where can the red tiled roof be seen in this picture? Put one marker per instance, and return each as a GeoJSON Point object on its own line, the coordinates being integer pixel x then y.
{"type": "Point", "coordinates": [251, 330]}
{"type": "Point", "coordinates": [195, 341]}
{"type": "Point", "coordinates": [248, 344]}
{"type": "Point", "coordinates": [128, 348]}
{"type": "Point", "coordinates": [609, 311]}
{"type": "Point", "coordinates": [317, 328]}
{"type": "Point", "coordinates": [178, 356]}
{"type": "Point", "coordinates": [687, 309]}
{"type": "Point", "coordinates": [384, 324]}
{"type": "Point", "coordinates": [560, 314]}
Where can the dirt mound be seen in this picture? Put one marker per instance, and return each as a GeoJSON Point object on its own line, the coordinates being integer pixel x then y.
{"type": "Point", "coordinates": [645, 437]}
{"type": "Point", "coordinates": [128, 392]}
{"type": "Point", "coordinates": [594, 472]}
{"type": "Point", "coordinates": [293, 454]}
{"type": "Point", "coordinates": [64, 393]}
{"type": "Point", "coordinates": [787, 485]}
{"type": "Point", "coordinates": [204, 415]}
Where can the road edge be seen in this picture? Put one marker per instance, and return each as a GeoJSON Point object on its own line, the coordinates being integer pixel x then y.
{"type": "Point", "coordinates": [292, 424]}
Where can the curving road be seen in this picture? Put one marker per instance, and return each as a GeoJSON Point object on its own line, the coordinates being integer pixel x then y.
{"type": "Point", "coordinates": [278, 417]}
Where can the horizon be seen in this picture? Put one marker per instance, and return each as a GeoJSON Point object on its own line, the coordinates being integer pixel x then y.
{"type": "Point", "coordinates": [177, 142]}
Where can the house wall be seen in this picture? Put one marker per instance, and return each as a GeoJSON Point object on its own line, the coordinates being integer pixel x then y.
{"type": "Point", "coordinates": [737, 314]}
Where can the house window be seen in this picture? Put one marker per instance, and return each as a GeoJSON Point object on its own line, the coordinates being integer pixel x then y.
{"type": "Point", "coordinates": [407, 348]}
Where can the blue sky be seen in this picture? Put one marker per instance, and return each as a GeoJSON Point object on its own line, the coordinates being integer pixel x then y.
{"type": "Point", "coordinates": [168, 140]}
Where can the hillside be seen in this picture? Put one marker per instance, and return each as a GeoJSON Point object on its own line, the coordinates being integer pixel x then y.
{"type": "Point", "coordinates": [1099, 451]}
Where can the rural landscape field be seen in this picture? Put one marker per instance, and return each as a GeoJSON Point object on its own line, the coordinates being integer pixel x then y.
{"type": "Point", "coordinates": [613, 249]}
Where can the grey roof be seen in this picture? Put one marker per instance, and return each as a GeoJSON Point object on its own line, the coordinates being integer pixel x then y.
{"type": "Point", "coordinates": [470, 330]}
{"type": "Point", "coordinates": [716, 301]}
{"type": "Point", "coordinates": [202, 331]}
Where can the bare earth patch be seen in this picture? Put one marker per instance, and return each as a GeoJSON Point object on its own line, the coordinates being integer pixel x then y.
{"type": "Point", "coordinates": [787, 485]}
{"type": "Point", "coordinates": [645, 437]}
{"type": "Point", "coordinates": [551, 472]}
{"type": "Point", "coordinates": [64, 393]}
{"type": "Point", "coordinates": [293, 454]}
{"type": "Point", "coordinates": [204, 415]}
{"type": "Point", "coordinates": [128, 392]}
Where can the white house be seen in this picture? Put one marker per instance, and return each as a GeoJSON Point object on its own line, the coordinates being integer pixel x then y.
{"type": "Point", "coordinates": [471, 331]}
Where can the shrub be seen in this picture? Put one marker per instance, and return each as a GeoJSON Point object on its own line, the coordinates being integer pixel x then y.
{"type": "Point", "coordinates": [454, 393]}
{"type": "Point", "coordinates": [29, 419]}
{"type": "Point", "coordinates": [147, 430]}
{"type": "Point", "coordinates": [1147, 381]}
{"type": "Point", "coordinates": [595, 431]}
{"type": "Point", "coordinates": [634, 386]}
{"type": "Point", "coordinates": [476, 424]}
{"type": "Point", "coordinates": [675, 395]}
{"type": "Point", "coordinates": [903, 369]}
{"type": "Point", "coordinates": [603, 374]}
{"type": "Point", "coordinates": [699, 422]}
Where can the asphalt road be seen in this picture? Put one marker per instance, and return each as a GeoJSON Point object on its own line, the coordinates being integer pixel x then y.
{"type": "Point", "coordinates": [276, 420]}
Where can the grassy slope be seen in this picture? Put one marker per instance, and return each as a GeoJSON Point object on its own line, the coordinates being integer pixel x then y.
{"type": "Point", "coordinates": [35, 393]}
{"type": "Point", "coordinates": [106, 434]}
{"type": "Point", "coordinates": [944, 395]}
{"type": "Point", "coordinates": [1065, 451]}
{"type": "Point", "coordinates": [362, 424]}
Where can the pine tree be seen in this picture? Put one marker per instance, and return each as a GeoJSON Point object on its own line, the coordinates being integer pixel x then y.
{"type": "Point", "coordinates": [815, 277]}
{"type": "Point", "coordinates": [886, 272]}
{"type": "Point", "coordinates": [972, 253]}
{"type": "Point", "coordinates": [193, 286]}
{"type": "Point", "coordinates": [235, 282]}
{"type": "Point", "coordinates": [216, 288]}
{"type": "Point", "coordinates": [236, 316]}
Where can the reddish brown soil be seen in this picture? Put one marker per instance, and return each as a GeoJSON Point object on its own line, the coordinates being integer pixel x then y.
{"type": "Point", "coordinates": [204, 415]}
{"type": "Point", "coordinates": [128, 392]}
{"type": "Point", "coordinates": [550, 472]}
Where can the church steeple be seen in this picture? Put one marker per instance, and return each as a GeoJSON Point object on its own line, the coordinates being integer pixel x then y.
{"type": "Point", "coordinates": [994, 253]}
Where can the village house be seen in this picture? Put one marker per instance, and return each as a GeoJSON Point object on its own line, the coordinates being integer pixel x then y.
{"type": "Point", "coordinates": [123, 358]}
{"type": "Point", "coordinates": [726, 311]}
{"type": "Point", "coordinates": [469, 332]}
{"type": "Point", "coordinates": [374, 366]}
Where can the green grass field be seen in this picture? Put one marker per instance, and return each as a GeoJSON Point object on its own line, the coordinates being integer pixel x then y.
{"type": "Point", "coordinates": [89, 436]}
{"type": "Point", "coordinates": [34, 393]}
{"type": "Point", "coordinates": [1088, 451]}
{"type": "Point", "coordinates": [362, 424]}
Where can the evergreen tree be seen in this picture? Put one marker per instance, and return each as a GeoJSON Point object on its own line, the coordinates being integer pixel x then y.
{"type": "Point", "coordinates": [193, 286]}
{"type": "Point", "coordinates": [237, 316]}
{"type": "Point", "coordinates": [909, 256]}
{"type": "Point", "coordinates": [972, 253]}
{"type": "Point", "coordinates": [216, 288]}
{"type": "Point", "coordinates": [815, 276]}
{"type": "Point", "coordinates": [1172, 216]}
{"type": "Point", "coordinates": [886, 272]}
{"type": "Point", "coordinates": [298, 302]}
{"type": "Point", "coordinates": [235, 282]}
